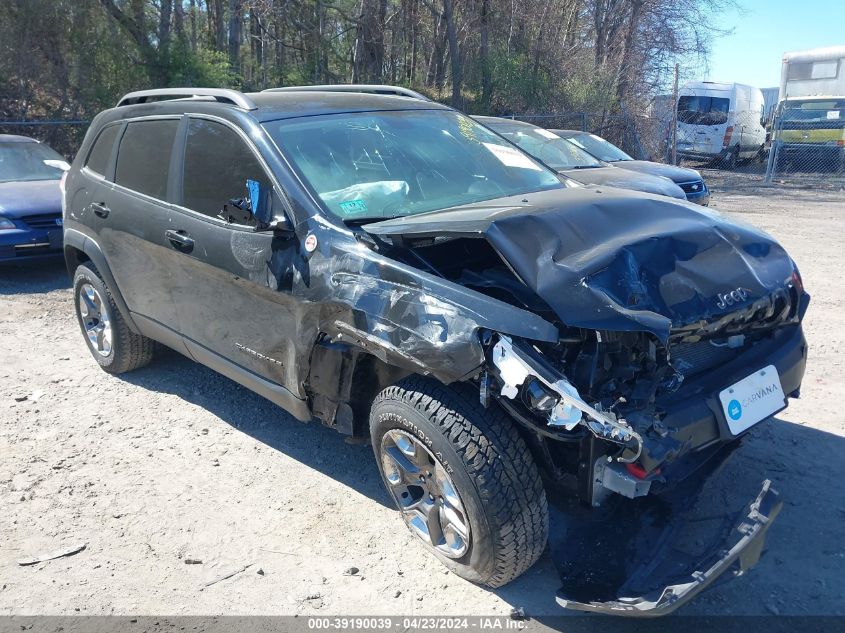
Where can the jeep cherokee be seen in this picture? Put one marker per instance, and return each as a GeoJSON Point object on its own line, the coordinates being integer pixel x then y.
{"type": "Point", "coordinates": [384, 264]}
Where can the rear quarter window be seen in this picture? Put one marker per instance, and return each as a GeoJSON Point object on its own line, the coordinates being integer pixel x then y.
{"type": "Point", "coordinates": [98, 157]}
{"type": "Point", "coordinates": [143, 159]}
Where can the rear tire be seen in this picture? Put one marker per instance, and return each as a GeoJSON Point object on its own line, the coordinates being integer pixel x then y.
{"type": "Point", "coordinates": [499, 497]}
{"type": "Point", "coordinates": [730, 161]}
{"type": "Point", "coordinates": [115, 347]}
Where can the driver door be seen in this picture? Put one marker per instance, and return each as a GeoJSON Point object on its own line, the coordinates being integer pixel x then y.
{"type": "Point", "coordinates": [230, 303]}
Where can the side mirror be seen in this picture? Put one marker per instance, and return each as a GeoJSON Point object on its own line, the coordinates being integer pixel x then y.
{"type": "Point", "coordinates": [265, 207]}
{"type": "Point", "coordinates": [253, 190]}
{"type": "Point", "coordinates": [57, 164]}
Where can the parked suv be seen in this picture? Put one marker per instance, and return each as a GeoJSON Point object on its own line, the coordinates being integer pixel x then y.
{"type": "Point", "coordinates": [388, 266]}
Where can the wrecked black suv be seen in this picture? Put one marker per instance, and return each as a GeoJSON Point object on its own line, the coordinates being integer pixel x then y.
{"type": "Point", "coordinates": [388, 266]}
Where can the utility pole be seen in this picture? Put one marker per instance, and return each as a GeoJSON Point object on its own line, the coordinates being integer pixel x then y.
{"type": "Point", "coordinates": [674, 135]}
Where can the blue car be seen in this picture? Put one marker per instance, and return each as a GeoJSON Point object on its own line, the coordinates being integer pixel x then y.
{"type": "Point", "coordinates": [30, 200]}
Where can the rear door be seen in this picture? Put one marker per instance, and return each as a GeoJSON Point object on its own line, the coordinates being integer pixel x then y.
{"type": "Point", "coordinates": [231, 295]}
{"type": "Point", "coordinates": [702, 121]}
{"type": "Point", "coordinates": [132, 216]}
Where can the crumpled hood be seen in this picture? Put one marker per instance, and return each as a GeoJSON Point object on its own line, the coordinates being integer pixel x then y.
{"type": "Point", "coordinates": [22, 198]}
{"type": "Point", "coordinates": [626, 179]}
{"type": "Point", "coordinates": [672, 172]}
{"type": "Point", "coordinates": [611, 260]}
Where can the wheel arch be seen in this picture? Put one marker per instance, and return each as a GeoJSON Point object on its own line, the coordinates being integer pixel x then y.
{"type": "Point", "coordinates": [342, 382]}
{"type": "Point", "coordinates": [81, 249]}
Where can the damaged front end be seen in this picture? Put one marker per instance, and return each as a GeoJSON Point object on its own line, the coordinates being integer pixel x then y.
{"type": "Point", "coordinates": [542, 398]}
{"type": "Point", "coordinates": [621, 413]}
{"type": "Point", "coordinates": [654, 471]}
{"type": "Point", "coordinates": [677, 332]}
{"type": "Point", "coordinates": [661, 310]}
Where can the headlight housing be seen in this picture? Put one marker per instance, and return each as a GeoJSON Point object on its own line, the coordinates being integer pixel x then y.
{"type": "Point", "coordinates": [6, 224]}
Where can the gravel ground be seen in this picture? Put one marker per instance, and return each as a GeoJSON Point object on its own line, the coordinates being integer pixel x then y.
{"type": "Point", "coordinates": [175, 463]}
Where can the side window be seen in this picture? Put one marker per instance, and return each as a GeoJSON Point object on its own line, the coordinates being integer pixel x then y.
{"type": "Point", "coordinates": [799, 71]}
{"type": "Point", "coordinates": [217, 165]}
{"type": "Point", "coordinates": [143, 159]}
{"type": "Point", "coordinates": [98, 157]}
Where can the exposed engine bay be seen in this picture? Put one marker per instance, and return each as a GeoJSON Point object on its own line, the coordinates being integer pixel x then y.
{"type": "Point", "coordinates": [603, 395]}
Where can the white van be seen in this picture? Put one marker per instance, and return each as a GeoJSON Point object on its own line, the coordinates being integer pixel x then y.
{"type": "Point", "coordinates": [721, 121]}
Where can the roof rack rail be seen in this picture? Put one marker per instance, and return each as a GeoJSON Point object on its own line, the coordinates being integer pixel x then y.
{"type": "Point", "coordinates": [223, 95]}
{"type": "Point", "coordinates": [367, 88]}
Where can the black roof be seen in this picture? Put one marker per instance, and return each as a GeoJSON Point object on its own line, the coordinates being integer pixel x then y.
{"type": "Point", "coordinates": [287, 105]}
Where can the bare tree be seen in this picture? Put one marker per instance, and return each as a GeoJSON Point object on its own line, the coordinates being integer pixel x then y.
{"type": "Point", "coordinates": [235, 7]}
{"type": "Point", "coordinates": [369, 44]}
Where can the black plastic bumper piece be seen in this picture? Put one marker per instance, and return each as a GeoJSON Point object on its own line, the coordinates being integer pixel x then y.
{"type": "Point", "coordinates": [748, 538]}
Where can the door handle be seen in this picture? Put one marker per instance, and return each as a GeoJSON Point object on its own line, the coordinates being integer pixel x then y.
{"type": "Point", "coordinates": [180, 240]}
{"type": "Point", "coordinates": [100, 209]}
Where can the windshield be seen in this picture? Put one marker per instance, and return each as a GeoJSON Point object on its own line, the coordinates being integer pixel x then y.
{"type": "Point", "coordinates": [815, 111]}
{"type": "Point", "coordinates": [599, 148]}
{"type": "Point", "coordinates": [701, 110]}
{"type": "Point", "coordinates": [29, 161]}
{"type": "Point", "coordinates": [556, 152]}
{"type": "Point", "coordinates": [374, 165]}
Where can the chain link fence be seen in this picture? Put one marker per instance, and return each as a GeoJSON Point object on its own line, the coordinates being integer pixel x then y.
{"type": "Point", "coordinates": [804, 145]}
{"type": "Point", "coordinates": [63, 136]}
{"type": "Point", "coordinates": [643, 137]}
{"type": "Point", "coordinates": [808, 143]}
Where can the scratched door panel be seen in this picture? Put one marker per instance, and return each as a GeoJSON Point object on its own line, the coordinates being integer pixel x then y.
{"type": "Point", "coordinates": [230, 303]}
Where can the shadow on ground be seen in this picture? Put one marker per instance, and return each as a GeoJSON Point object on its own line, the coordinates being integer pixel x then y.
{"type": "Point", "coordinates": [804, 464]}
{"type": "Point", "coordinates": [33, 277]}
{"type": "Point", "coordinates": [749, 181]}
{"type": "Point", "coordinates": [312, 444]}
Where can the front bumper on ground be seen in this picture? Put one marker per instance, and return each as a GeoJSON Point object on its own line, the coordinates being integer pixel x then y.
{"type": "Point", "coordinates": [675, 582]}
{"type": "Point", "coordinates": [649, 555]}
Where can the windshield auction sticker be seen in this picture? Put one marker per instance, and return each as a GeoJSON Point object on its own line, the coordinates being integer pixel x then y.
{"type": "Point", "coordinates": [511, 157]}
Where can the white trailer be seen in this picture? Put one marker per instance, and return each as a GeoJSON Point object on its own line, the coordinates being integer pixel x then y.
{"type": "Point", "coordinates": [817, 72]}
{"type": "Point", "coordinates": [809, 125]}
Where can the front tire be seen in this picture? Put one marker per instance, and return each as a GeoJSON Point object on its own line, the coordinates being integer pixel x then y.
{"type": "Point", "coordinates": [115, 347]}
{"type": "Point", "coordinates": [462, 477]}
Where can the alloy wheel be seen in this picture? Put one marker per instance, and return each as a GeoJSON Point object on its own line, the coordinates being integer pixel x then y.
{"type": "Point", "coordinates": [425, 493]}
{"type": "Point", "coordinates": [95, 319]}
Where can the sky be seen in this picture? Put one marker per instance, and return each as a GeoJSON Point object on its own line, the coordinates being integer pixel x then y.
{"type": "Point", "coordinates": [763, 30]}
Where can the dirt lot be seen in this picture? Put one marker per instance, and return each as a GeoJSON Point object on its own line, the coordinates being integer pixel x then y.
{"type": "Point", "coordinates": [174, 462]}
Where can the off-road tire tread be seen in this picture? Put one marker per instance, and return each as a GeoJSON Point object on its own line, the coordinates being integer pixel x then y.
{"type": "Point", "coordinates": [132, 351]}
{"type": "Point", "coordinates": [498, 462]}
